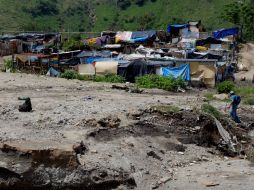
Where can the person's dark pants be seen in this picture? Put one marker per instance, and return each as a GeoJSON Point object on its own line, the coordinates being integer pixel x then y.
{"type": "Point", "coordinates": [234, 115]}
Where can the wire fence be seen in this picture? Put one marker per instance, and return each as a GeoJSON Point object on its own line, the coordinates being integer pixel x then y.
{"type": "Point", "coordinates": [64, 34]}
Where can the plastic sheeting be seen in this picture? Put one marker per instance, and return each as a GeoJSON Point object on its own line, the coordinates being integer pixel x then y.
{"type": "Point", "coordinates": [225, 32]}
{"type": "Point", "coordinates": [134, 37]}
{"type": "Point", "coordinates": [142, 36]}
{"type": "Point", "coordinates": [86, 69]}
{"type": "Point", "coordinates": [53, 73]}
{"type": "Point", "coordinates": [177, 26]}
{"type": "Point", "coordinates": [204, 73]}
{"type": "Point", "coordinates": [106, 67]}
{"type": "Point", "coordinates": [182, 71]}
{"type": "Point", "coordinates": [132, 70]}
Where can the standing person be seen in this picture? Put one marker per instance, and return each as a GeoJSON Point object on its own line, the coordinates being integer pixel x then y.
{"type": "Point", "coordinates": [235, 101]}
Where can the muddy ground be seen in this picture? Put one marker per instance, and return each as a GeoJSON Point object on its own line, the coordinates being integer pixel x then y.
{"type": "Point", "coordinates": [84, 135]}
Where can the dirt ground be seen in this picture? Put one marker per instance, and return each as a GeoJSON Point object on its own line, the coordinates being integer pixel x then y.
{"type": "Point", "coordinates": [123, 147]}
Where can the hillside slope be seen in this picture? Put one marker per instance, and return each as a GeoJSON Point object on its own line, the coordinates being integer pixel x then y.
{"type": "Point", "coordinates": [89, 15]}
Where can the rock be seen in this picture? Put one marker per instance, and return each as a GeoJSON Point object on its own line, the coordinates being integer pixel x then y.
{"type": "Point", "coordinates": [109, 122]}
{"type": "Point", "coordinates": [197, 128]}
{"type": "Point", "coordinates": [94, 151]}
{"type": "Point", "coordinates": [27, 106]}
{"type": "Point", "coordinates": [220, 96]}
{"type": "Point", "coordinates": [211, 184]}
{"type": "Point", "coordinates": [154, 155]}
{"type": "Point", "coordinates": [164, 179]}
{"type": "Point", "coordinates": [80, 148]}
{"type": "Point", "coordinates": [181, 153]}
{"type": "Point", "coordinates": [205, 159]}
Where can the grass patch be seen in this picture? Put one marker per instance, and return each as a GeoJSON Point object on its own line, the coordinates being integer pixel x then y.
{"type": "Point", "coordinates": [209, 96]}
{"type": "Point", "coordinates": [166, 109]}
{"type": "Point", "coordinates": [160, 82]}
{"type": "Point", "coordinates": [246, 93]}
{"type": "Point", "coordinates": [207, 108]}
{"type": "Point", "coordinates": [111, 78]}
{"type": "Point", "coordinates": [249, 101]}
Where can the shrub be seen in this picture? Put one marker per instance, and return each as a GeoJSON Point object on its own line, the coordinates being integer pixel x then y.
{"type": "Point", "coordinates": [160, 82]}
{"type": "Point", "coordinates": [68, 74]}
{"type": "Point", "coordinates": [207, 108]}
{"type": "Point", "coordinates": [8, 65]}
{"type": "Point", "coordinates": [109, 78]}
{"type": "Point", "coordinates": [225, 87]}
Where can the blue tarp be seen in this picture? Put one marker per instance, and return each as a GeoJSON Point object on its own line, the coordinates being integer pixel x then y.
{"type": "Point", "coordinates": [53, 73]}
{"type": "Point", "coordinates": [91, 60]}
{"type": "Point", "coordinates": [94, 54]}
{"type": "Point", "coordinates": [182, 71]}
{"type": "Point", "coordinates": [225, 32]}
{"type": "Point", "coordinates": [142, 36]}
{"type": "Point", "coordinates": [177, 26]}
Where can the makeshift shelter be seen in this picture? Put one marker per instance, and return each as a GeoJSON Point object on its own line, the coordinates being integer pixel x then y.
{"type": "Point", "coordinates": [177, 30]}
{"type": "Point", "coordinates": [35, 63]}
{"type": "Point", "coordinates": [132, 70]}
{"type": "Point", "coordinates": [225, 32]}
{"type": "Point", "coordinates": [208, 41]}
{"type": "Point", "coordinates": [106, 67]}
{"type": "Point", "coordinates": [201, 71]}
{"type": "Point", "coordinates": [135, 37]}
{"type": "Point", "coordinates": [182, 71]}
{"type": "Point", "coordinates": [86, 69]}
{"type": "Point", "coordinates": [88, 57]}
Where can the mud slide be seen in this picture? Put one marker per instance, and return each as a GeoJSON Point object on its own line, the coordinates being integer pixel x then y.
{"type": "Point", "coordinates": [246, 62]}
{"type": "Point", "coordinates": [113, 156]}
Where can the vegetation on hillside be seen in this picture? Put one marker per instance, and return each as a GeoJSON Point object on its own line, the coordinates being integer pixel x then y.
{"type": "Point", "coordinates": [98, 15]}
{"type": "Point", "coordinates": [241, 14]}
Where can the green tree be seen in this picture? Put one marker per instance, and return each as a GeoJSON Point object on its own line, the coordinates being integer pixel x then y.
{"type": "Point", "coordinates": [241, 14]}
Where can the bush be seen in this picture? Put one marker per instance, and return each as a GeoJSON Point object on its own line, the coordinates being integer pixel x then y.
{"type": "Point", "coordinates": [207, 108]}
{"type": "Point", "coordinates": [225, 87]}
{"type": "Point", "coordinates": [68, 74]}
{"type": "Point", "coordinates": [109, 78]}
{"type": "Point", "coordinates": [8, 65]}
{"type": "Point", "coordinates": [160, 82]}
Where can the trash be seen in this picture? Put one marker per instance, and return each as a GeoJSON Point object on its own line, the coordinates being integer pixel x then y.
{"type": "Point", "coordinates": [109, 122]}
{"type": "Point", "coordinates": [154, 155]}
{"type": "Point", "coordinates": [164, 180]}
{"type": "Point", "coordinates": [53, 73]}
{"type": "Point", "coordinates": [26, 106]}
{"type": "Point", "coordinates": [212, 184]}
{"type": "Point", "coordinates": [80, 148]}
{"type": "Point", "coordinates": [120, 87]}
{"type": "Point", "coordinates": [179, 89]}
{"type": "Point", "coordinates": [88, 98]}
{"type": "Point", "coordinates": [243, 79]}
{"type": "Point", "coordinates": [128, 89]}
{"type": "Point", "coordinates": [226, 137]}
